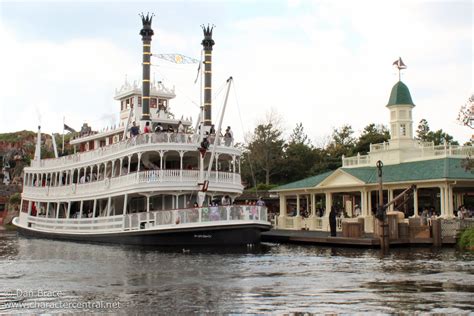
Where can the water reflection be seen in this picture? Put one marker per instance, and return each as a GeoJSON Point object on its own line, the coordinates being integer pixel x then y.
{"type": "Point", "coordinates": [273, 278]}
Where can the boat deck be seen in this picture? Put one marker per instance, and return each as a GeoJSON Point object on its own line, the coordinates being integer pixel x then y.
{"type": "Point", "coordinates": [324, 238]}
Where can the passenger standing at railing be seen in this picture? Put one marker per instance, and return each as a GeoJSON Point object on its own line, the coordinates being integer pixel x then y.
{"type": "Point", "coordinates": [225, 200]}
{"type": "Point", "coordinates": [158, 128]}
{"type": "Point", "coordinates": [181, 131]}
{"type": "Point", "coordinates": [228, 136]}
{"type": "Point", "coordinates": [134, 132]}
{"type": "Point", "coordinates": [215, 216]}
{"type": "Point", "coordinates": [253, 210]}
{"type": "Point", "coordinates": [147, 128]}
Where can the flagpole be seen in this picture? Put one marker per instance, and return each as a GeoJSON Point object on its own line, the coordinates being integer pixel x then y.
{"type": "Point", "coordinates": [63, 133]}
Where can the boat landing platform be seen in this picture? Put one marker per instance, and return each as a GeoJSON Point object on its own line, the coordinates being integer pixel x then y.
{"type": "Point", "coordinates": [324, 238]}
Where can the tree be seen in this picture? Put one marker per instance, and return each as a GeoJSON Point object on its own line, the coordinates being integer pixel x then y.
{"type": "Point", "coordinates": [439, 137]}
{"type": "Point", "coordinates": [423, 130]}
{"type": "Point", "coordinates": [372, 134]}
{"type": "Point", "coordinates": [266, 147]}
{"type": "Point", "coordinates": [298, 136]}
{"type": "Point", "coordinates": [299, 156]}
{"type": "Point", "coordinates": [466, 113]}
{"type": "Point", "coordinates": [342, 143]}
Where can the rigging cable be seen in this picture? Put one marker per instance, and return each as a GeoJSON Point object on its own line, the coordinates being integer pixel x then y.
{"type": "Point", "coordinates": [248, 155]}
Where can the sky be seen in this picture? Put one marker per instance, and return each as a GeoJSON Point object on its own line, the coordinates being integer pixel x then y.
{"type": "Point", "coordinates": [321, 63]}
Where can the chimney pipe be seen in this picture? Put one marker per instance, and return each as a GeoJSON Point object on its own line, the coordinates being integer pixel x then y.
{"type": "Point", "coordinates": [207, 44]}
{"type": "Point", "coordinates": [146, 34]}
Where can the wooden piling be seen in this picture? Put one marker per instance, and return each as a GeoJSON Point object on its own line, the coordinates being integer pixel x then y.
{"type": "Point", "coordinates": [436, 231]}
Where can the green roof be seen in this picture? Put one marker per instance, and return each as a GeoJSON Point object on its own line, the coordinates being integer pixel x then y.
{"type": "Point", "coordinates": [443, 168]}
{"type": "Point", "coordinates": [305, 183]}
{"type": "Point", "coordinates": [400, 95]}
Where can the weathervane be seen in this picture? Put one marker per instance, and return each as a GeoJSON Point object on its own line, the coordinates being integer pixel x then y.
{"type": "Point", "coordinates": [400, 65]}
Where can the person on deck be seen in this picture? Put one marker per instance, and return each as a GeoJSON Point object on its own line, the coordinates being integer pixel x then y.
{"type": "Point", "coordinates": [147, 128]}
{"type": "Point", "coordinates": [158, 128]}
{"type": "Point", "coordinates": [332, 221]}
{"type": "Point", "coordinates": [134, 130]}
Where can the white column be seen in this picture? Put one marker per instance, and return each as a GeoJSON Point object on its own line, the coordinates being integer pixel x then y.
{"type": "Point", "coordinates": [181, 154]}
{"type": "Point", "coordinates": [139, 159]}
{"type": "Point", "coordinates": [390, 197]}
{"type": "Point", "coordinates": [298, 205]}
{"type": "Point", "coordinates": [120, 169]}
{"type": "Point", "coordinates": [68, 210]}
{"type": "Point", "coordinates": [148, 204]}
{"type": "Point", "coordinates": [325, 219]}
{"type": "Point", "coordinates": [363, 202]}
{"type": "Point", "coordinates": [94, 208]}
{"type": "Point", "coordinates": [313, 204]}
{"type": "Point", "coordinates": [109, 201]}
{"type": "Point", "coordinates": [217, 167]}
{"type": "Point", "coordinates": [444, 214]}
{"type": "Point", "coordinates": [282, 217]}
{"type": "Point", "coordinates": [328, 204]}
{"type": "Point", "coordinates": [449, 201]}
{"type": "Point", "coordinates": [233, 168]}
{"type": "Point", "coordinates": [125, 198]}
{"type": "Point", "coordinates": [415, 204]}
{"type": "Point", "coordinates": [81, 208]}
{"type": "Point", "coordinates": [128, 167]}
{"type": "Point", "coordinates": [29, 208]}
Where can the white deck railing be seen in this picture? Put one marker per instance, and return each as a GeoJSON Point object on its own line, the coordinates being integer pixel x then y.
{"type": "Point", "coordinates": [140, 140]}
{"type": "Point", "coordinates": [422, 151]}
{"type": "Point", "coordinates": [151, 177]}
{"type": "Point", "coordinates": [154, 219]}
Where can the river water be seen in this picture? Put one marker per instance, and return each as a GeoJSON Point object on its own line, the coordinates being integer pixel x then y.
{"type": "Point", "coordinates": [58, 276]}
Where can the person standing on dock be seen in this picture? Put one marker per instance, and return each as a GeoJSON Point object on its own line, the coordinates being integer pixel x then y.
{"type": "Point", "coordinates": [332, 221]}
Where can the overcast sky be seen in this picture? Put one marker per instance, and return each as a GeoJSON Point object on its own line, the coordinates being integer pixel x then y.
{"type": "Point", "coordinates": [322, 63]}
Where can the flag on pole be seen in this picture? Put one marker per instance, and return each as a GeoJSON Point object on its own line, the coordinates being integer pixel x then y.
{"type": "Point", "coordinates": [198, 72]}
{"type": "Point", "coordinates": [69, 129]}
{"type": "Point", "coordinates": [399, 63]}
{"type": "Point", "coordinates": [177, 58]}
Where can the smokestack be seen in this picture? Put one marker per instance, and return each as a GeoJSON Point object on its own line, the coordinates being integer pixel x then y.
{"type": "Point", "coordinates": [146, 34]}
{"type": "Point", "coordinates": [207, 44]}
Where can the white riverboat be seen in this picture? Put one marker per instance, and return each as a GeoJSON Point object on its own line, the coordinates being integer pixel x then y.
{"type": "Point", "coordinates": [155, 188]}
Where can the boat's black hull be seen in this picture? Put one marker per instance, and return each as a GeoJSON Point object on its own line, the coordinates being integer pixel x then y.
{"type": "Point", "coordinates": [202, 236]}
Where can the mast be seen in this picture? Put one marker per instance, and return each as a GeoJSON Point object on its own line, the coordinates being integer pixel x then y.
{"type": "Point", "coordinates": [146, 33]}
{"type": "Point", "coordinates": [202, 193]}
{"type": "Point", "coordinates": [218, 132]}
{"type": "Point", "coordinates": [207, 44]}
{"type": "Point", "coordinates": [38, 146]}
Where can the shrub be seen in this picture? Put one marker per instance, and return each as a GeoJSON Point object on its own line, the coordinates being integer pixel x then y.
{"type": "Point", "coordinates": [466, 240]}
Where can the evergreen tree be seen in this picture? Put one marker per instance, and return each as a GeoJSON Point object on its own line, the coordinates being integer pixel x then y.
{"type": "Point", "coordinates": [372, 134]}
{"type": "Point", "coordinates": [299, 156]}
{"type": "Point", "coordinates": [423, 130]}
{"type": "Point", "coordinates": [266, 149]}
{"type": "Point", "coordinates": [342, 144]}
{"type": "Point", "coordinates": [439, 138]}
